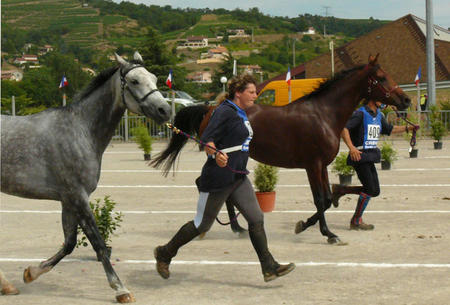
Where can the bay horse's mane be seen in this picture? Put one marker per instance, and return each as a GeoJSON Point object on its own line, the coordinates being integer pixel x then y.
{"type": "Point", "coordinates": [326, 85]}
{"type": "Point", "coordinates": [99, 80]}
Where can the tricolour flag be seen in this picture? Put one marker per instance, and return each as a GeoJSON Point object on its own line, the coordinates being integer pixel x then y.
{"type": "Point", "coordinates": [169, 79]}
{"type": "Point", "coordinates": [63, 82]}
{"type": "Point", "coordinates": [288, 76]}
{"type": "Point", "coordinates": [418, 76]}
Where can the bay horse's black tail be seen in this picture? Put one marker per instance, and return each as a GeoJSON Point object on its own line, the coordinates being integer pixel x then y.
{"type": "Point", "coordinates": [188, 120]}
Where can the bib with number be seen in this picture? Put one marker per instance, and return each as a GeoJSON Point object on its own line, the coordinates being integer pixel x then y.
{"type": "Point", "coordinates": [372, 128]}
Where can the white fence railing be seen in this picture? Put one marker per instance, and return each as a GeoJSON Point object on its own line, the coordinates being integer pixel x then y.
{"type": "Point", "coordinates": [425, 117]}
{"type": "Point", "coordinates": [163, 132]}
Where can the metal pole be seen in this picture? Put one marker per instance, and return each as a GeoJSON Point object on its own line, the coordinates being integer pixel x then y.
{"type": "Point", "coordinates": [332, 57]}
{"type": "Point", "coordinates": [293, 53]}
{"type": "Point", "coordinates": [64, 99]}
{"type": "Point", "coordinates": [126, 124]}
{"type": "Point", "coordinates": [173, 106]}
{"type": "Point", "coordinates": [431, 76]}
{"type": "Point", "coordinates": [13, 105]}
{"type": "Point", "coordinates": [418, 104]}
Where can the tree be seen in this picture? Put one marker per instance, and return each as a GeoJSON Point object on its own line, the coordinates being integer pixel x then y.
{"type": "Point", "coordinates": [225, 69]}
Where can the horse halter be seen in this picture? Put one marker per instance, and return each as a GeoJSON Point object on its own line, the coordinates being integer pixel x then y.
{"type": "Point", "coordinates": [375, 83]}
{"type": "Point", "coordinates": [124, 85]}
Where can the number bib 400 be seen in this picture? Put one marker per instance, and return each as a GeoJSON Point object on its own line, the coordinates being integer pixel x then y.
{"type": "Point", "coordinates": [372, 129]}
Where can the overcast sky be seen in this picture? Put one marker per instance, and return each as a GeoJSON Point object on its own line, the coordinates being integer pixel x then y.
{"type": "Point", "coordinates": [352, 9]}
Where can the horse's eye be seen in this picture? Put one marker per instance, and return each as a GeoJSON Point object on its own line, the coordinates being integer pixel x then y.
{"type": "Point", "coordinates": [134, 82]}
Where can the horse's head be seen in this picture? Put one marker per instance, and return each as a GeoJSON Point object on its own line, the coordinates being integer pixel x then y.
{"type": "Point", "coordinates": [139, 91]}
{"type": "Point", "coordinates": [381, 87]}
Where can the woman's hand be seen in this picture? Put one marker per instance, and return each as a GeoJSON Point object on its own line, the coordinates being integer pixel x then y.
{"type": "Point", "coordinates": [355, 154]}
{"type": "Point", "coordinates": [221, 159]}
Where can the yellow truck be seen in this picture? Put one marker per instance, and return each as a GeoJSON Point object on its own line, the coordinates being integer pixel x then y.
{"type": "Point", "coordinates": [276, 93]}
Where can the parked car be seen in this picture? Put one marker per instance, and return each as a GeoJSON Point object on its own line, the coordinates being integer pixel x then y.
{"type": "Point", "coordinates": [181, 98]}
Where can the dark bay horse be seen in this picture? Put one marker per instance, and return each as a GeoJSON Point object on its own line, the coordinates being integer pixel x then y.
{"type": "Point", "coordinates": [305, 133]}
{"type": "Point", "coordinates": [56, 154]}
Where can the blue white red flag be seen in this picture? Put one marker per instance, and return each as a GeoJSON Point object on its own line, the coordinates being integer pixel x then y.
{"type": "Point", "coordinates": [63, 82]}
{"type": "Point", "coordinates": [288, 76]}
{"type": "Point", "coordinates": [169, 80]}
{"type": "Point", "coordinates": [418, 76]}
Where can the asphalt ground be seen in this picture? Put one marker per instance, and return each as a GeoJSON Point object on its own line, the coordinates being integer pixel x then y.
{"type": "Point", "coordinates": [405, 260]}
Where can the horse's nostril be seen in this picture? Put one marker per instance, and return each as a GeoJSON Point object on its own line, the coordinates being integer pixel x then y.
{"type": "Point", "coordinates": [162, 111]}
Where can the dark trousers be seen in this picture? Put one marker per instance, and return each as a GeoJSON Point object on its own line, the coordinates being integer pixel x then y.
{"type": "Point", "coordinates": [367, 174]}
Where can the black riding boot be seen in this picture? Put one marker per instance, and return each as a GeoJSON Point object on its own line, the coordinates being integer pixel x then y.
{"type": "Point", "coordinates": [270, 268]}
{"type": "Point", "coordinates": [338, 190]}
{"type": "Point", "coordinates": [164, 254]}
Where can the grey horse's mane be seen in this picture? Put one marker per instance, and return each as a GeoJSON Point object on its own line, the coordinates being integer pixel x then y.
{"type": "Point", "coordinates": [99, 80]}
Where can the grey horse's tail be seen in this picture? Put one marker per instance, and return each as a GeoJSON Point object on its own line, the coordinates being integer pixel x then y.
{"type": "Point", "coordinates": [188, 120]}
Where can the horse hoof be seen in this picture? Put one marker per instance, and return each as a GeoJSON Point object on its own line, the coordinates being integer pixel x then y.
{"type": "Point", "coordinates": [299, 227]}
{"type": "Point", "coordinates": [27, 278]}
{"type": "Point", "coordinates": [9, 290]}
{"type": "Point", "coordinates": [336, 241]}
{"type": "Point", "coordinates": [125, 298]}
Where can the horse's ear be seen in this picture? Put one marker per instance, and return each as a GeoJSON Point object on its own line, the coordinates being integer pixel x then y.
{"type": "Point", "coordinates": [138, 57]}
{"type": "Point", "coordinates": [120, 60]}
{"type": "Point", "coordinates": [373, 59]}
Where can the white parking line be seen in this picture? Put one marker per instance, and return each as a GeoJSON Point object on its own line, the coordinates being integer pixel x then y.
{"type": "Point", "coordinates": [241, 263]}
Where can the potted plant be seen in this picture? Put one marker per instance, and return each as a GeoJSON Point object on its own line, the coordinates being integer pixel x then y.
{"type": "Point", "coordinates": [344, 171]}
{"type": "Point", "coordinates": [144, 140]}
{"type": "Point", "coordinates": [266, 177]}
{"type": "Point", "coordinates": [437, 127]}
{"type": "Point", "coordinates": [388, 155]}
{"type": "Point", "coordinates": [107, 222]}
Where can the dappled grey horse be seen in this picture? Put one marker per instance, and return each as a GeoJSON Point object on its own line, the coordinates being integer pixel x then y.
{"type": "Point", "coordinates": [56, 154]}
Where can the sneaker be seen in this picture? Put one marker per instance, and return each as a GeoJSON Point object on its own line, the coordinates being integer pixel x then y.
{"type": "Point", "coordinates": [335, 195]}
{"type": "Point", "coordinates": [362, 226]}
{"type": "Point", "coordinates": [161, 266]}
{"type": "Point", "coordinates": [280, 271]}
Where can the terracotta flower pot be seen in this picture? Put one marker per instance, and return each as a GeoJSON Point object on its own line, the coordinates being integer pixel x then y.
{"type": "Point", "coordinates": [266, 201]}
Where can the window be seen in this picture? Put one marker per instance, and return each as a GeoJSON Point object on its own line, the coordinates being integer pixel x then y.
{"type": "Point", "coordinates": [266, 98]}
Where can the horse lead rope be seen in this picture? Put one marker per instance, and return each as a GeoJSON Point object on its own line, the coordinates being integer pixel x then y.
{"type": "Point", "coordinates": [179, 131]}
{"type": "Point", "coordinates": [412, 142]}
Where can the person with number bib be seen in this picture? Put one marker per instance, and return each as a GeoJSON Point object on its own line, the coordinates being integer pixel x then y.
{"type": "Point", "coordinates": [361, 135]}
{"type": "Point", "coordinates": [224, 177]}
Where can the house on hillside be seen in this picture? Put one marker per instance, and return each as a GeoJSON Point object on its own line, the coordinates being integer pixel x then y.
{"type": "Point", "coordinates": [310, 31]}
{"type": "Point", "coordinates": [214, 55]}
{"type": "Point", "coordinates": [27, 59]}
{"type": "Point", "coordinates": [45, 49]}
{"type": "Point", "coordinates": [237, 34]}
{"type": "Point", "coordinates": [12, 75]}
{"type": "Point", "coordinates": [402, 47]}
{"type": "Point", "coordinates": [195, 42]}
{"type": "Point", "coordinates": [200, 77]}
